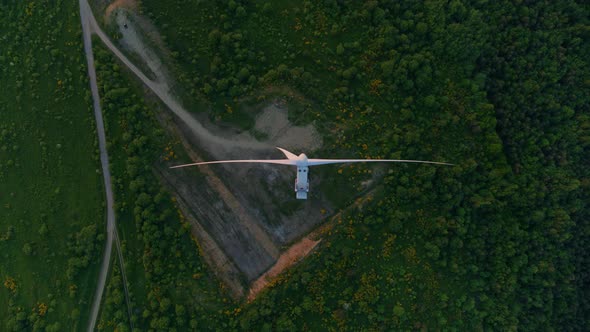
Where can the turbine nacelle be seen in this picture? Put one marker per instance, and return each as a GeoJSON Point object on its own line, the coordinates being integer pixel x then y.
{"type": "Point", "coordinates": [302, 160]}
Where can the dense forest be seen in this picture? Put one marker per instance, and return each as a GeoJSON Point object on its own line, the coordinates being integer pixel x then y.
{"type": "Point", "coordinates": [496, 242]}
{"type": "Point", "coordinates": [500, 88]}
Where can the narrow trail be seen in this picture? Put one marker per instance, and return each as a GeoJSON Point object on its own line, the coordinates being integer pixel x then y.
{"type": "Point", "coordinates": [162, 90]}
{"type": "Point", "coordinates": [104, 161]}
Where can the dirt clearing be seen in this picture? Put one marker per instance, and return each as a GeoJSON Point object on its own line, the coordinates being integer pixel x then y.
{"type": "Point", "coordinates": [274, 122]}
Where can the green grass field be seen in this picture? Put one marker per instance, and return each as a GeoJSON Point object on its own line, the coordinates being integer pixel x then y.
{"type": "Point", "coordinates": [51, 208]}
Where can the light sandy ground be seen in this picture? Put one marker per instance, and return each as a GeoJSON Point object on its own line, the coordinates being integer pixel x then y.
{"type": "Point", "coordinates": [131, 39]}
{"type": "Point", "coordinates": [274, 122]}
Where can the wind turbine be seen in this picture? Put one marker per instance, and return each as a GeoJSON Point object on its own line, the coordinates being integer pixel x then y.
{"type": "Point", "coordinates": [303, 163]}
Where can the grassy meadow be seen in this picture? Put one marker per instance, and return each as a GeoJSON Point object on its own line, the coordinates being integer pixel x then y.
{"type": "Point", "coordinates": [51, 204]}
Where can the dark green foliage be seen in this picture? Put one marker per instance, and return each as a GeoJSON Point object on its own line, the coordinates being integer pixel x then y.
{"type": "Point", "coordinates": [538, 83]}
{"type": "Point", "coordinates": [498, 242]}
{"type": "Point", "coordinates": [83, 246]}
{"type": "Point", "coordinates": [500, 88]}
{"type": "Point", "coordinates": [114, 305]}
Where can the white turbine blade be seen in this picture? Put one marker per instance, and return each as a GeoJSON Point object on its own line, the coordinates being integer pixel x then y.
{"type": "Point", "coordinates": [259, 161]}
{"type": "Point", "coordinates": [314, 162]}
{"type": "Point", "coordinates": [287, 153]}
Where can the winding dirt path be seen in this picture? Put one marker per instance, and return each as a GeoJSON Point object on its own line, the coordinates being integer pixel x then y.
{"type": "Point", "coordinates": [162, 91]}
{"type": "Point", "coordinates": [112, 235]}
{"type": "Point", "coordinates": [104, 161]}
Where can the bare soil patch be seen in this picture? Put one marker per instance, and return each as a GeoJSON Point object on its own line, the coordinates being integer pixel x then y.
{"type": "Point", "coordinates": [274, 122]}
{"type": "Point", "coordinates": [222, 266]}
{"type": "Point", "coordinates": [219, 215]}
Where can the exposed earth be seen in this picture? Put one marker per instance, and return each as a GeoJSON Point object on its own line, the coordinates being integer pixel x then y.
{"type": "Point", "coordinates": [273, 121]}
